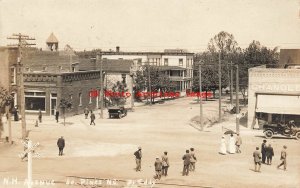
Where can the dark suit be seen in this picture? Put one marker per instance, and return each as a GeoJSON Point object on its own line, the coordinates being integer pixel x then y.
{"type": "Point", "coordinates": [263, 152]}
{"type": "Point", "coordinates": [61, 145]}
{"type": "Point", "coordinates": [186, 164]}
{"type": "Point", "coordinates": [269, 154]}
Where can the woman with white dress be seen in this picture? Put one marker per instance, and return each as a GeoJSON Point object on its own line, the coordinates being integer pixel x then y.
{"type": "Point", "coordinates": [231, 144]}
{"type": "Point", "coordinates": [223, 146]}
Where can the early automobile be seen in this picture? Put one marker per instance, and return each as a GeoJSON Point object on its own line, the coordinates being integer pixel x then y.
{"type": "Point", "coordinates": [288, 130]}
{"type": "Point", "coordinates": [117, 111]}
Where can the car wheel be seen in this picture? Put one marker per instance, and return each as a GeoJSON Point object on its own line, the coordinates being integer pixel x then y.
{"type": "Point", "coordinates": [120, 116]}
{"type": "Point", "coordinates": [298, 135]}
{"type": "Point", "coordinates": [269, 134]}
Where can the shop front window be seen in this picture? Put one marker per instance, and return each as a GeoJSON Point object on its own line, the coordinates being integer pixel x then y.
{"type": "Point", "coordinates": [35, 101]}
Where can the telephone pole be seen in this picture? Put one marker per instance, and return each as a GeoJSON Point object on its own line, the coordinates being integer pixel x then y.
{"type": "Point", "coordinates": [200, 97]}
{"type": "Point", "coordinates": [237, 100]}
{"type": "Point", "coordinates": [101, 86]}
{"type": "Point", "coordinates": [220, 87]}
{"type": "Point", "coordinates": [22, 43]}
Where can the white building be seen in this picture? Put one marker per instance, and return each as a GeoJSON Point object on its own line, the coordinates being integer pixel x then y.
{"type": "Point", "coordinates": [178, 64]}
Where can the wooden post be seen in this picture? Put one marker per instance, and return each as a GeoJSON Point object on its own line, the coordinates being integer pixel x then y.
{"type": "Point", "coordinates": [29, 164]}
{"type": "Point", "coordinates": [200, 93]}
{"type": "Point", "coordinates": [237, 100]}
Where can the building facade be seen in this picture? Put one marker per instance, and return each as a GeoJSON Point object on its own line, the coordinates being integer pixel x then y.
{"type": "Point", "coordinates": [290, 58]}
{"type": "Point", "coordinates": [177, 63]}
{"type": "Point", "coordinates": [273, 95]}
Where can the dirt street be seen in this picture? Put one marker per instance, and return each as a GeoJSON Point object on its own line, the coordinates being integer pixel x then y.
{"type": "Point", "coordinates": [105, 151]}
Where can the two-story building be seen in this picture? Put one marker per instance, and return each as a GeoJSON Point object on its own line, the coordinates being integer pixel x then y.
{"type": "Point", "coordinates": [178, 64]}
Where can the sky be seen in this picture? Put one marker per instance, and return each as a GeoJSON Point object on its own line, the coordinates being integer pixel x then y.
{"type": "Point", "coordinates": [151, 25]}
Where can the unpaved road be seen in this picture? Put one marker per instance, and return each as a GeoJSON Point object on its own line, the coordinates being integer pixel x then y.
{"type": "Point", "coordinates": [106, 150]}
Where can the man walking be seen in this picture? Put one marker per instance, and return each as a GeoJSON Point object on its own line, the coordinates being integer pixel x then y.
{"type": "Point", "coordinates": [186, 163]}
{"type": "Point", "coordinates": [93, 117]}
{"type": "Point", "coordinates": [138, 158]}
{"type": "Point", "coordinates": [193, 160]}
{"type": "Point", "coordinates": [269, 154]}
{"type": "Point", "coordinates": [56, 115]}
{"type": "Point", "coordinates": [283, 156]}
{"type": "Point", "coordinates": [257, 157]}
{"type": "Point", "coordinates": [40, 116]}
{"type": "Point", "coordinates": [238, 143]}
{"type": "Point", "coordinates": [86, 112]}
{"type": "Point", "coordinates": [263, 151]}
{"type": "Point", "coordinates": [61, 145]}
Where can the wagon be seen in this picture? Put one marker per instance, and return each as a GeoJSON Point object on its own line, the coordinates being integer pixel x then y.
{"type": "Point", "coordinates": [117, 112]}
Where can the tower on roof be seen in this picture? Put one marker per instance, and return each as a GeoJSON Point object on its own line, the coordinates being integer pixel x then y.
{"type": "Point", "coordinates": [52, 42]}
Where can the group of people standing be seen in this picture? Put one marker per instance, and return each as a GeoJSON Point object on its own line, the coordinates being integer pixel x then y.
{"type": "Point", "coordinates": [232, 146]}
{"type": "Point", "coordinates": [265, 156]}
{"type": "Point", "coordinates": [161, 164]}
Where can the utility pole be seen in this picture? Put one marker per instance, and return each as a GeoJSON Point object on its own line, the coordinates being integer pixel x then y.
{"type": "Point", "coordinates": [149, 80]}
{"type": "Point", "coordinates": [237, 100]}
{"type": "Point", "coordinates": [22, 42]}
{"type": "Point", "coordinates": [231, 84]}
{"type": "Point", "coordinates": [101, 87]}
{"type": "Point", "coordinates": [220, 87]}
{"type": "Point", "coordinates": [200, 97]}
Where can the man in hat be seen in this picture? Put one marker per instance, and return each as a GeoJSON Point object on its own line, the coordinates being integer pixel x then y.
{"type": "Point", "coordinates": [238, 143]}
{"type": "Point", "coordinates": [40, 116]}
{"type": "Point", "coordinates": [283, 156]}
{"type": "Point", "coordinates": [86, 112]}
{"type": "Point", "coordinates": [186, 163]}
{"type": "Point", "coordinates": [93, 117]}
{"type": "Point", "coordinates": [61, 145]}
{"type": "Point", "coordinates": [269, 154]}
{"type": "Point", "coordinates": [257, 157]}
{"type": "Point", "coordinates": [263, 151]}
{"type": "Point", "coordinates": [158, 168]}
{"type": "Point", "coordinates": [138, 158]}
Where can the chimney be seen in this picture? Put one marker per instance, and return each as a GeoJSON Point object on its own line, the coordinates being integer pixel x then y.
{"type": "Point", "coordinates": [118, 49]}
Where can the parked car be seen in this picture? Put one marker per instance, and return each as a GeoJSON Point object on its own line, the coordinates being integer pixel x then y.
{"type": "Point", "coordinates": [117, 111]}
{"type": "Point", "coordinates": [288, 130]}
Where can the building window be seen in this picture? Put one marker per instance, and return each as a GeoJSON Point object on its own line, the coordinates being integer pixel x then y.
{"type": "Point", "coordinates": [13, 75]}
{"type": "Point", "coordinates": [35, 101]}
{"type": "Point", "coordinates": [80, 99]}
{"type": "Point", "coordinates": [166, 61]}
{"type": "Point", "coordinates": [180, 62]}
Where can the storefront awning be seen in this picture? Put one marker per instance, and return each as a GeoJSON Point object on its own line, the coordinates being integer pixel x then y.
{"type": "Point", "coordinates": [278, 104]}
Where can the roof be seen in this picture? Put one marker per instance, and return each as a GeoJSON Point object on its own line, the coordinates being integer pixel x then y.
{"type": "Point", "coordinates": [52, 39]}
{"type": "Point", "coordinates": [117, 65]}
{"type": "Point", "coordinates": [146, 53]}
{"type": "Point", "coordinates": [164, 68]}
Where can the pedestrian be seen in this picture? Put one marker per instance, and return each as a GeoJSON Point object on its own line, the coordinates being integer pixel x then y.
{"type": "Point", "coordinates": [15, 111]}
{"type": "Point", "coordinates": [92, 118]}
{"type": "Point", "coordinates": [165, 164]}
{"type": "Point", "coordinates": [223, 146]}
{"type": "Point", "coordinates": [283, 156]}
{"type": "Point", "coordinates": [186, 163]}
{"type": "Point", "coordinates": [86, 112]}
{"type": "Point", "coordinates": [263, 151]}
{"type": "Point", "coordinates": [138, 159]}
{"type": "Point", "coordinates": [40, 116]}
{"type": "Point", "coordinates": [269, 154]}
{"type": "Point", "coordinates": [158, 168]}
{"type": "Point", "coordinates": [193, 160]}
{"type": "Point", "coordinates": [257, 158]}
{"type": "Point", "coordinates": [61, 145]}
{"type": "Point", "coordinates": [238, 143]}
{"type": "Point", "coordinates": [57, 115]}
{"type": "Point", "coordinates": [231, 144]}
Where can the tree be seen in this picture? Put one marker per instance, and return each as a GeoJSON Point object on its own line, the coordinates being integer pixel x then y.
{"type": "Point", "coordinates": [65, 104]}
{"type": "Point", "coordinates": [255, 55]}
{"type": "Point", "coordinates": [5, 101]}
{"type": "Point", "coordinates": [118, 93]}
{"type": "Point", "coordinates": [223, 42]}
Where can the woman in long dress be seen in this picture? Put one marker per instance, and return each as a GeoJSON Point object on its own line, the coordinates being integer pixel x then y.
{"type": "Point", "coordinates": [231, 146]}
{"type": "Point", "coordinates": [223, 146]}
